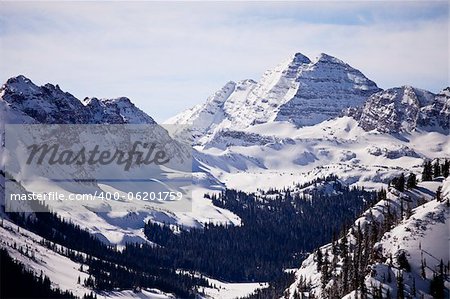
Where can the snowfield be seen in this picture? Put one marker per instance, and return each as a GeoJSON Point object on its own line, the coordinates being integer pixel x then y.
{"type": "Point", "coordinates": [424, 235]}
{"type": "Point", "coordinates": [338, 146]}
{"type": "Point", "coordinates": [62, 271]}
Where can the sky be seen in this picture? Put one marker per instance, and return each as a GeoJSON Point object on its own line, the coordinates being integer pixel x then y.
{"type": "Point", "coordinates": [169, 56]}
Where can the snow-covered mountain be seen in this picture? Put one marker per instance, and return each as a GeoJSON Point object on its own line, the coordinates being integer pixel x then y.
{"type": "Point", "coordinates": [116, 111]}
{"type": "Point", "coordinates": [403, 239]}
{"type": "Point", "coordinates": [300, 91]}
{"type": "Point", "coordinates": [404, 109]}
{"type": "Point", "coordinates": [23, 102]}
{"type": "Point", "coordinates": [48, 104]}
{"type": "Point", "coordinates": [291, 123]}
{"type": "Point", "coordinates": [286, 129]}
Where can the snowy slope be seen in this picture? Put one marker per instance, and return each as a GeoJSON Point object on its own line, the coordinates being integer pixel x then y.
{"type": "Point", "coordinates": [422, 235]}
{"type": "Point", "coordinates": [405, 108]}
{"type": "Point", "coordinates": [253, 158]}
{"type": "Point", "coordinates": [48, 104]}
{"type": "Point", "coordinates": [62, 271]}
{"type": "Point", "coordinates": [287, 126]}
{"type": "Point", "coordinates": [22, 102]}
{"type": "Point", "coordinates": [298, 90]}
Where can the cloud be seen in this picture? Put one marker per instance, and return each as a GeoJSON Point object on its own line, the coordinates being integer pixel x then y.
{"type": "Point", "coordinates": [169, 56]}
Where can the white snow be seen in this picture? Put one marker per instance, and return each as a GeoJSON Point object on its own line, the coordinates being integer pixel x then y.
{"type": "Point", "coordinates": [425, 234]}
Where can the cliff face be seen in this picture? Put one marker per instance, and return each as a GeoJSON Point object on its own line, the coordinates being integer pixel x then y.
{"type": "Point", "coordinates": [50, 105]}
{"type": "Point", "coordinates": [300, 91]}
{"type": "Point", "coordinates": [404, 109]}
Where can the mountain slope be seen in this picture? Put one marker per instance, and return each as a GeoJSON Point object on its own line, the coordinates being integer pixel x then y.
{"type": "Point", "coordinates": [22, 102]}
{"type": "Point", "coordinates": [416, 236]}
{"type": "Point", "coordinates": [298, 91]}
{"type": "Point", "coordinates": [48, 104]}
{"type": "Point", "coordinates": [405, 109]}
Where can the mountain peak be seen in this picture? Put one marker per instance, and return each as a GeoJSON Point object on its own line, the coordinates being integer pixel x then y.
{"type": "Point", "coordinates": [298, 90]}
{"type": "Point", "coordinates": [299, 58]}
{"type": "Point", "coordinates": [18, 79]}
{"type": "Point", "coordinates": [445, 92]}
{"type": "Point", "coordinates": [49, 104]}
{"type": "Point", "coordinates": [20, 84]}
{"type": "Point", "coordinates": [402, 109]}
{"type": "Point", "coordinates": [325, 58]}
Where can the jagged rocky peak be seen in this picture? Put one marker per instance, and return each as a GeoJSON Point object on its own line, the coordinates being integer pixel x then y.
{"type": "Point", "coordinates": [294, 64]}
{"type": "Point", "coordinates": [445, 92]}
{"type": "Point", "coordinates": [300, 58]}
{"type": "Point", "coordinates": [46, 104]}
{"type": "Point", "coordinates": [326, 86]}
{"type": "Point", "coordinates": [220, 96]}
{"type": "Point", "coordinates": [20, 84]}
{"type": "Point", "coordinates": [288, 69]}
{"type": "Point", "coordinates": [50, 105]}
{"type": "Point", "coordinates": [325, 58]}
{"type": "Point", "coordinates": [298, 90]}
{"type": "Point", "coordinates": [437, 115]}
{"type": "Point", "coordinates": [403, 109]}
{"type": "Point", "coordinates": [116, 111]}
{"type": "Point", "coordinates": [122, 107]}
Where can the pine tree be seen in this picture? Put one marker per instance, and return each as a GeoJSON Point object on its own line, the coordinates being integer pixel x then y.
{"type": "Point", "coordinates": [412, 181]}
{"type": "Point", "coordinates": [446, 168]}
{"type": "Point", "coordinates": [439, 193]}
{"type": "Point", "coordinates": [325, 270]}
{"type": "Point", "coordinates": [436, 169]}
{"type": "Point", "coordinates": [389, 278]}
{"type": "Point", "coordinates": [427, 173]}
{"type": "Point", "coordinates": [399, 182]}
{"type": "Point", "coordinates": [345, 264]}
{"type": "Point", "coordinates": [319, 258]}
{"type": "Point", "coordinates": [400, 286]}
{"type": "Point", "coordinates": [422, 269]}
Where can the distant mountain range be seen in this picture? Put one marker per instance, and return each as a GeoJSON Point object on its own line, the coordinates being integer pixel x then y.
{"type": "Point", "coordinates": [303, 120]}
{"type": "Point", "coordinates": [305, 93]}
{"type": "Point", "coordinates": [300, 117]}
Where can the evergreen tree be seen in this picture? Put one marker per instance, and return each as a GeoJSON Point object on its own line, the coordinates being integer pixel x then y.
{"type": "Point", "coordinates": [439, 193]}
{"type": "Point", "coordinates": [400, 286]}
{"type": "Point", "coordinates": [403, 262]}
{"type": "Point", "coordinates": [446, 168]}
{"type": "Point", "coordinates": [399, 182]}
{"type": "Point", "coordinates": [437, 286]}
{"type": "Point", "coordinates": [422, 269]}
{"type": "Point", "coordinates": [412, 181]}
{"type": "Point", "coordinates": [427, 173]}
{"type": "Point", "coordinates": [436, 169]}
{"type": "Point", "coordinates": [319, 258]}
{"type": "Point", "coordinates": [345, 264]}
{"type": "Point", "coordinates": [389, 278]}
{"type": "Point", "coordinates": [325, 270]}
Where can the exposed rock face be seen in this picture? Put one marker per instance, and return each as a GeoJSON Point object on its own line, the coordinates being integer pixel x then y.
{"type": "Point", "coordinates": [300, 91]}
{"type": "Point", "coordinates": [438, 113]}
{"type": "Point", "coordinates": [403, 109]}
{"type": "Point", "coordinates": [50, 105]}
{"type": "Point", "coordinates": [46, 104]}
{"type": "Point", "coordinates": [116, 111]}
{"type": "Point", "coordinates": [325, 88]}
